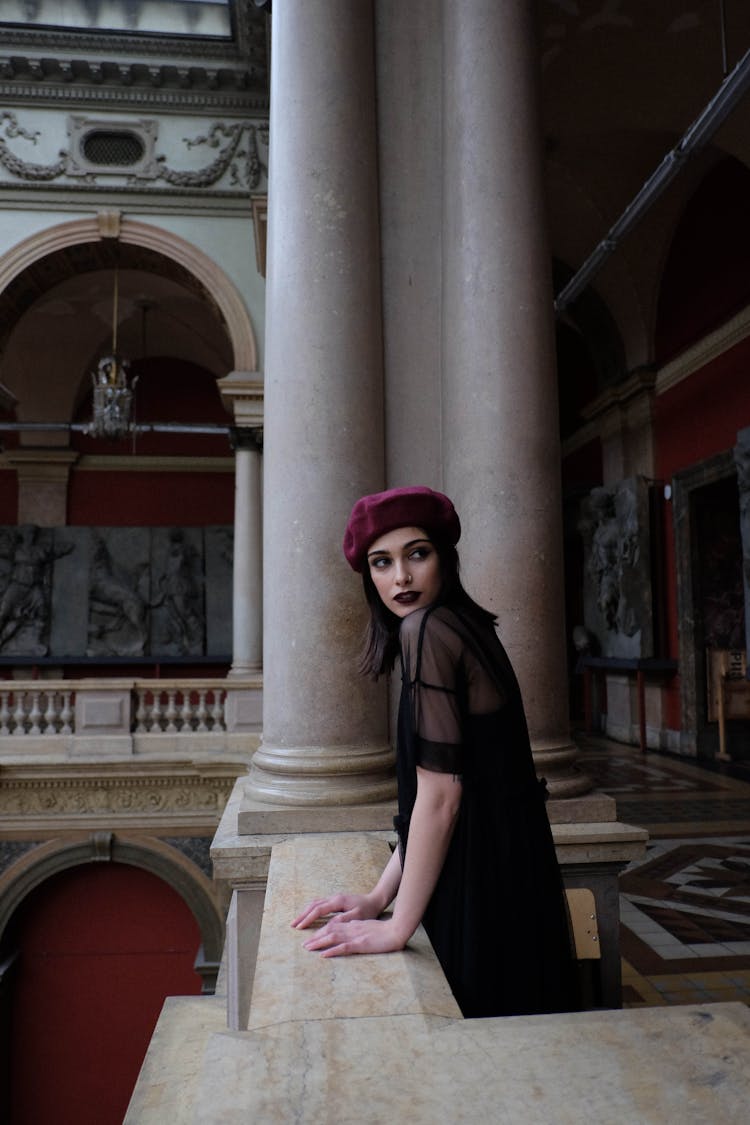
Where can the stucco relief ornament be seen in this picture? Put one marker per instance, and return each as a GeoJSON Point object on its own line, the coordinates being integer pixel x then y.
{"type": "Point", "coordinates": [242, 162]}
{"type": "Point", "coordinates": [24, 169]}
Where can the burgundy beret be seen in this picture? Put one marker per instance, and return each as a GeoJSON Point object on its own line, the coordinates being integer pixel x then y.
{"type": "Point", "coordinates": [373, 516]}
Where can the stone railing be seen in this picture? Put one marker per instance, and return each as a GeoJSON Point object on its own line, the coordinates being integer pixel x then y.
{"type": "Point", "coordinates": [380, 1038]}
{"type": "Point", "coordinates": [128, 716]}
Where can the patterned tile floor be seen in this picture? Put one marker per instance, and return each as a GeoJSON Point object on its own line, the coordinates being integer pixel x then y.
{"type": "Point", "coordinates": [685, 907]}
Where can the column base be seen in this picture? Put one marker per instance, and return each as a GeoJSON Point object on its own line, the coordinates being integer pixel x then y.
{"type": "Point", "coordinates": [243, 671]}
{"type": "Point", "coordinates": [322, 775]}
{"type": "Point", "coordinates": [556, 760]}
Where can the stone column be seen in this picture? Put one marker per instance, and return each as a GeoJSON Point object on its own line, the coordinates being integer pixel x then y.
{"type": "Point", "coordinates": [500, 416]}
{"type": "Point", "coordinates": [324, 728]}
{"type": "Point", "coordinates": [247, 576]}
{"type": "Point", "coordinates": [43, 476]}
{"type": "Point", "coordinates": [243, 390]}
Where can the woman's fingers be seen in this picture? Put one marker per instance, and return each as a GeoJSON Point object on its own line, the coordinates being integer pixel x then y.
{"type": "Point", "coordinates": [318, 908]}
{"type": "Point", "coordinates": [339, 938]}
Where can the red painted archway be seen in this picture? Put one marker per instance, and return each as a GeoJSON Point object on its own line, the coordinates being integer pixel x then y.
{"type": "Point", "coordinates": [101, 946]}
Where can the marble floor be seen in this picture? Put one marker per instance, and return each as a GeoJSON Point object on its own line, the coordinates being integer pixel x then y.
{"type": "Point", "coordinates": [685, 907]}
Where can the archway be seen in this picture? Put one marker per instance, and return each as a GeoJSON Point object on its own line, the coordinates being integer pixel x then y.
{"type": "Point", "coordinates": [96, 935]}
{"type": "Point", "coordinates": [110, 227]}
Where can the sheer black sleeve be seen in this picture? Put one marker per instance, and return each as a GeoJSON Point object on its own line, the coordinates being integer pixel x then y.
{"type": "Point", "coordinates": [432, 664]}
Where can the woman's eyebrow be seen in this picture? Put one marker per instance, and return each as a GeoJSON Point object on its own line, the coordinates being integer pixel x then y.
{"type": "Point", "coordinates": [405, 547]}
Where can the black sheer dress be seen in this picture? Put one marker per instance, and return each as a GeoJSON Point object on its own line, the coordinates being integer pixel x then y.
{"type": "Point", "coordinates": [497, 918]}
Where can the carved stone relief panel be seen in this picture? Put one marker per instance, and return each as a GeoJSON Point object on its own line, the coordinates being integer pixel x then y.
{"type": "Point", "coordinates": [617, 578]}
{"type": "Point", "coordinates": [115, 592]}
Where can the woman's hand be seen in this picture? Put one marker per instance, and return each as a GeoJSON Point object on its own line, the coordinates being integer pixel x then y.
{"type": "Point", "coordinates": [340, 939]}
{"type": "Point", "coordinates": [347, 908]}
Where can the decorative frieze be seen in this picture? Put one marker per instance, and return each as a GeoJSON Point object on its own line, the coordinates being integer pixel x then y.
{"type": "Point", "coordinates": [106, 152]}
{"type": "Point", "coordinates": [114, 798]}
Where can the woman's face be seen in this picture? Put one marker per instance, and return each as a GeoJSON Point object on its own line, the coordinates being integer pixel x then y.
{"type": "Point", "coordinates": [405, 569]}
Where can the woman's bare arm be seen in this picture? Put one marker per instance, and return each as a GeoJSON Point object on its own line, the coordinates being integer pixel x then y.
{"type": "Point", "coordinates": [348, 907]}
{"type": "Point", "coordinates": [431, 828]}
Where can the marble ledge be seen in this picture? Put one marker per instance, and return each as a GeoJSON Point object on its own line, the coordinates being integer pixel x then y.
{"type": "Point", "coordinates": [649, 1066]}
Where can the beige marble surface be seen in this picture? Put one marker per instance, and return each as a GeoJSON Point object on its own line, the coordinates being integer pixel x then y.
{"type": "Point", "coordinates": [378, 1038]}
{"type": "Point", "coordinates": [647, 1067]}
{"type": "Point", "coordinates": [653, 1066]}
{"type": "Point", "coordinates": [291, 983]}
{"type": "Point", "coordinates": [166, 1090]}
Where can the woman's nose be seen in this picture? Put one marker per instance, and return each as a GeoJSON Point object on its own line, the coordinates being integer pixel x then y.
{"type": "Point", "coordinates": [403, 578]}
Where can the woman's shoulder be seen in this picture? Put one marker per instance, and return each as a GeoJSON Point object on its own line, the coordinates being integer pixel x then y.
{"type": "Point", "coordinates": [437, 624]}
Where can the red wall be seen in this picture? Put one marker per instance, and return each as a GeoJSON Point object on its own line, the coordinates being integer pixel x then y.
{"type": "Point", "coordinates": [101, 947]}
{"type": "Point", "coordinates": [150, 499]}
{"type": "Point", "coordinates": [696, 419]}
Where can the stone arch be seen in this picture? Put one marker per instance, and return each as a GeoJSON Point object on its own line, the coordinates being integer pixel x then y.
{"type": "Point", "coordinates": [131, 231]}
{"type": "Point", "coordinates": [42, 862]}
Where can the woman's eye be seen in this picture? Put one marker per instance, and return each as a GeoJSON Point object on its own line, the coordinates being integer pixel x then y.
{"type": "Point", "coordinates": [379, 564]}
{"type": "Point", "coordinates": [419, 553]}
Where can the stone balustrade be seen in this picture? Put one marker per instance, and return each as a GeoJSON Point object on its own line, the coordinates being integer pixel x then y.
{"type": "Point", "coordinates": [128, 716]}
{"type": "Point", "coordinates": [379, 1038]}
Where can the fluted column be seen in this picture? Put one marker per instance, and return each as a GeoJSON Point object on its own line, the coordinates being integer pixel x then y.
{"type": "Point", "coordinates": [500, 416]}
{"type": "Point", "coordinates": [324, 728]}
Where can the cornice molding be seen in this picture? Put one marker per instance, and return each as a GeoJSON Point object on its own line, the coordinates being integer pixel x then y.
{"type": "Point", "coordinates": [713, 345]}
{"type": "Point", "coordinates": [249, 39]}
{"type": "Point", "coordinates": [164, 99]}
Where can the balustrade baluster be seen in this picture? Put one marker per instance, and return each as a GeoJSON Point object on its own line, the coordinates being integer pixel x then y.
{"type": "Point", "coordinates": [19, 714]}
{"type": "Point", "coordinates": [186, 711]}
{"type": "Point", "coordinates": [141, 713]}
{"type": "Point", "coordinates": [66, 713]}
{"type": "Point", "coordinates": [35, 714]}
{"type": "Point", "coordinates": [171, 712]}
{"type": "Point", "coordinates": [156, 712]}
{"type": "Point", "coordinates": [200, 712]}
{"type": "Point", "coordinates": [49, 712]}
{"type": "Point", "coordinates": [5, 712]}
{"type": "Point", "coordinates": [217, 711]}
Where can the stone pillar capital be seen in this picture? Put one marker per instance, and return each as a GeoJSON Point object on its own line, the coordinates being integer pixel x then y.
{"type": "Point", "coordinates": [243, 394]}
{"type": "Point", "coordinates": [246, 438]}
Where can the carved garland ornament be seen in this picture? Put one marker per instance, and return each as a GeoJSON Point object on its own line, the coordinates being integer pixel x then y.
{"type": "Point", "coordinates": [239, 157]}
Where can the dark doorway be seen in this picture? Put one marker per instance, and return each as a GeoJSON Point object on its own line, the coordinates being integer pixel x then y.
{"type": "Point", "coordinates": [719, 605]}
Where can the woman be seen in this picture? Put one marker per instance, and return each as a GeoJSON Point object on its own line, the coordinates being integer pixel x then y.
{"type": "Point", "coordinates": [476, 862]}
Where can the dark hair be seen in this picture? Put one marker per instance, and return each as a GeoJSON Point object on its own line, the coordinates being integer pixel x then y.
{"type": "Point", "coordinates": [381, 646]}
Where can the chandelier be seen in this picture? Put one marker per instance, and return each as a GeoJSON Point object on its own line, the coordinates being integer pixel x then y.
{"type": "Point", "coordinates": [113, 392]}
